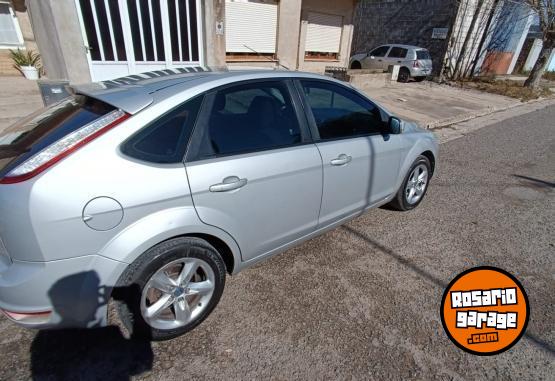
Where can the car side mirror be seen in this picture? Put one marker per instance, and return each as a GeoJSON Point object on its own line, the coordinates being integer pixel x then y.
{"type": "Point", "coordinates": [394, 125]}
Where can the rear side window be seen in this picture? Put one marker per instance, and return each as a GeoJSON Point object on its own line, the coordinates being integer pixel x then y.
{"type": "Point", "coordinates": [397, 52]}
{"type": "Point", "coordinates": [165, 140]}
{"type": "Point", "coordinates": [250, 117]}
{"type": "Point", "coordinates": [379, 52]}
{"type": "Point", "coordinates": [423, 55]}
{"type": "Point", "coordinates": [45, 127]}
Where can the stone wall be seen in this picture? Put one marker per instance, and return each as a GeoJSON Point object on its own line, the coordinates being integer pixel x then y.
{"type": "Point", "coordinates": [411, 22]}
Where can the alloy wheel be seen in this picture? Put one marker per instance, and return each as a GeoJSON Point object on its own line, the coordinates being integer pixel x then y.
{"type": "Point", "coordinates": [416, 184]}
{"type": "Point", "coordinates": [177, 293]}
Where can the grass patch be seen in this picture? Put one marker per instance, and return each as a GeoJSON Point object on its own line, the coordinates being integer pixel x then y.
{"type": "Point", "coordinates": [508, 88]}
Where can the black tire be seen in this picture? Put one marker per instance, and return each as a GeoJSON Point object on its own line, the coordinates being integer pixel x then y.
{"type": "Point", "coordinates": [356, 65]}
{"type": "Point", "coordinates": [419, 79]}
{"type": "Point", "coordinates": [400, 201]}
{"type": "Point", "coordinates": [404, 75]}
{"type": "Point", "coordinates": [127, 293]}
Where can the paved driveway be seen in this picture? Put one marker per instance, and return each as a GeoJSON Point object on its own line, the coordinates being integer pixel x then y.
{"type": "Point", "coordinates": [18, 98]}
{"type": "Point", "coordinates": [432, 104]}
{"type": "Point", "coordinates": [363, 300]}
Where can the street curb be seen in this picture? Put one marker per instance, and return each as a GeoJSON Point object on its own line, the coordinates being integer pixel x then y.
{"type": "Point", "coordinates": [490, 110]}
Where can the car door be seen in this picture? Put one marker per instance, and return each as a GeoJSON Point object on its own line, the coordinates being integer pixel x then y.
{"type": "Point", "coordinates": [375, 59]}
{"type": "Point", "coordinates": [360, 158]}
{"type": "Point", "coordinates": [397, 56]}
{"type": "Point", "coordinates": [252, 168]}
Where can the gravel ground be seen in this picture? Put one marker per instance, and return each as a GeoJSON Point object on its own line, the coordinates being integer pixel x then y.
{"type": "Point", "coordinates": [363, 300]}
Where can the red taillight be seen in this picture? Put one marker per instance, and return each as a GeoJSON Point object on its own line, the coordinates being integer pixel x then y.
{"type": "Point", "coordinates": [63, 147]}
{"type": "Point", "coordinates": [28, 317]}
{"type": "Point", "coordinates": [415, 65]}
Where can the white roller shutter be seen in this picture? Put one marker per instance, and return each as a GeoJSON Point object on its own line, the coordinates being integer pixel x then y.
{"type": "Point", "coordinates": [253, 24]}
{"type": "Point", "coordinates": [323, 33]}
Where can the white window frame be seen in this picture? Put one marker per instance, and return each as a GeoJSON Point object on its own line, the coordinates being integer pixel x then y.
{"type": "Point", "coordinates": [21, 44]}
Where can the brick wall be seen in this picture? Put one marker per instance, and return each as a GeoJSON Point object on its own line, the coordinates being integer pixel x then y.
{"type": "Point", "coordinates": [411, 22]}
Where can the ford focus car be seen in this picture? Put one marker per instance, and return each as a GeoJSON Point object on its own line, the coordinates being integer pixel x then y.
{"type": "Point", "coordinates": [148, 190]}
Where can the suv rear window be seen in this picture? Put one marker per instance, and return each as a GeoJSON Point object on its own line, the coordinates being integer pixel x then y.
{"type": "Point", "coordinates": [46, 126]}
{"type": "Point", "coordinates": [423, 55]}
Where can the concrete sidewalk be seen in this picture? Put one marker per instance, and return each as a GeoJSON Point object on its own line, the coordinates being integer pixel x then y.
{"type": "Point", "coordinates": [18, 98]}
{"type": "Point", "coordinates": [432, 105]}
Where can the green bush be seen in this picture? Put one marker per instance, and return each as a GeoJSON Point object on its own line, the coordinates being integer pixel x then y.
{"type": "Point", "coordinates": [25, 58]}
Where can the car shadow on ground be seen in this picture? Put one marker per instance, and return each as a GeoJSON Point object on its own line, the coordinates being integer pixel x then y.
{"type": "Point", "coordinates": [86, 354]}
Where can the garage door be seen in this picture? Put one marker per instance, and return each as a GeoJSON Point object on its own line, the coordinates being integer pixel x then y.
{"type": "Point", "coordinates": [251, 26]}
{"type": "Point", "coordinates": [323, 33]}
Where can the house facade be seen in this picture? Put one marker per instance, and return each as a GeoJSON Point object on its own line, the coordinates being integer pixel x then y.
{"type": "Point", "coordinates": [93, 40]}
{"type": "Point", "coordinates": [15, 33]}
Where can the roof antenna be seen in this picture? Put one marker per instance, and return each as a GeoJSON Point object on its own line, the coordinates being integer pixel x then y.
{"type": "Point", "coordinates": [265, 57]}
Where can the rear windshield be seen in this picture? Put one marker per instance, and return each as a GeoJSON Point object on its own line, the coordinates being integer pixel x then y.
{"type": "Point", "coordinates": [423, 55]}
{"type": "Point", "coordinates": [44, 127]}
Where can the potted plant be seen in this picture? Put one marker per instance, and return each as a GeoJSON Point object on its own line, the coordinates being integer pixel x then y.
{"type": "Point", "coordinates": [27, 62]}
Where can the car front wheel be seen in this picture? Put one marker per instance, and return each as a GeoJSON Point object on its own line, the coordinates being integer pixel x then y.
{"type": "Point", "coordinates": [356, 65]}
{"type": "Point", "coordinates": [170, 289]}
{"type": "Point", "coordinates": [414, 186]}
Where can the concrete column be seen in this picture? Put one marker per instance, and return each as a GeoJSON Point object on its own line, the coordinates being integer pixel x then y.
{"type": "Point", "coordinates": [59, 39]}
{"type": "Point", "coordinates": [522, 38]}
{"type": "Point", "coordinates": [289, 22]}
{"type": "Point", "coordinates": [214, 32]}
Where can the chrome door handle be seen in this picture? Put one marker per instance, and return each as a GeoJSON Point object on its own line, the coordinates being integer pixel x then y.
{"type": "Point", "coordinates": [341, 160]}
{"type": "Point", "coordinates": [229, 183]}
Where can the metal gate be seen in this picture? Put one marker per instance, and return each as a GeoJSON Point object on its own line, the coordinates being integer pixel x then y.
{"type": "Point", "coordinates": [124, 37]}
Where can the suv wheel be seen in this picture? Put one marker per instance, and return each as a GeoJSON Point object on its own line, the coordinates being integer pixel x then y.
{"type": "Point", "coordinates": [170, 289]}
{"type": "Point", "coordinates": [404, 75]}
{"type": "Point", "coordinates": [356, 65]}
{"type": "Point", "coordinates": [414, 187]}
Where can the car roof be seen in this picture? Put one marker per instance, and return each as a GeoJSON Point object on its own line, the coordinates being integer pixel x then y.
{"type": "Point", "coordinates": [405, 46]}
{"type": "Point", "coordinates": [135, 92]}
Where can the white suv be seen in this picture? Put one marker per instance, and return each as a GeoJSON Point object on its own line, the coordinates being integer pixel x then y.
{"type": "Point", "coordinates": [415, 62]}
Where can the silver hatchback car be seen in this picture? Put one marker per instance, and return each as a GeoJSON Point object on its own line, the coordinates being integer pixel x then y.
{"type": "Point", "coordinates": [414, 62]}
{"type": "Point", "coordinates": [148, 189]}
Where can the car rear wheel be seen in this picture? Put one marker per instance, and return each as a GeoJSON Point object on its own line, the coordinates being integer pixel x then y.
{"type": "Point", "coordinates": [170, 289]}
{"type": "Point", "coordinates": [414, 186]}
{"type": "Point", "coordinates": [404, 75]}
{"type": "Point", "coordinates": [356, 65]}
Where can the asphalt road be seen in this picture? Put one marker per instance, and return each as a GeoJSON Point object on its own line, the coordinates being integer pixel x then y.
{"type": "Point", "coordinates": [363, 300]}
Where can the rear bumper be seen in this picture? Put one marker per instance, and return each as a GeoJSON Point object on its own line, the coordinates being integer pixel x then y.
{"type": "Point", "coordinates": [69, 293]}
{"type": "Point", "coordinates": [420, 72]}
